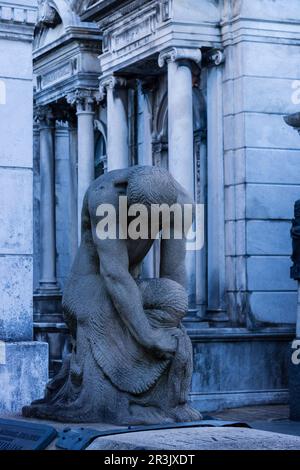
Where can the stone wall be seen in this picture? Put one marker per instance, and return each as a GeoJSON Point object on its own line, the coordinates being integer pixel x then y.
{"type": "Point", "coordinates": [261, 155]}
{"type": "Point", "coordinates": [23, 364]}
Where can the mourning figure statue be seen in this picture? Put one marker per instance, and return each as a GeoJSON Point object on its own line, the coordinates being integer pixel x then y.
{"type": "Point", "coordinates": [131, 359]}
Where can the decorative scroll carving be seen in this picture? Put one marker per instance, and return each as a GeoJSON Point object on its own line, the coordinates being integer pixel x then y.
{"type": "Point", "coordinates": [214, 57]}
{"type": "Point", "coordinates": [175, 53]}
{"type": "Point", "coordinates": [110, 82]}
{"type": "Point", "coordinates": [47, 15]}
{"type": "Point", "coordinates": [84, 100]}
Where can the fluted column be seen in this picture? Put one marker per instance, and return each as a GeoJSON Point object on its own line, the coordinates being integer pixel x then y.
{"type": "Point", "coordinates": [117, 122]}
{"type": "Point", "coordinates": [85, 102]}
{"type": "Point", "coordinates": [48, 281]}
{"type": "Point", "coordinates": [180, 113]}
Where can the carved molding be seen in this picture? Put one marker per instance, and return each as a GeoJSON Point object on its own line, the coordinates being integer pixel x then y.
{"type": "Point", "coordinates": [175, 53]}
{"type": "Point", "coordinates": [111, 83]}
{"type": "Point", "coordinates": [84, 100]}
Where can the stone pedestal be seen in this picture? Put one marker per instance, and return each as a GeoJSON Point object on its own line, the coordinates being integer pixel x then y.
{"type": "Point", "coordinates": [23, 363]}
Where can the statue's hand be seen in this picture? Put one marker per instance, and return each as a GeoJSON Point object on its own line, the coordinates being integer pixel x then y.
{"type": "Point", "coordinates": [163, 342]}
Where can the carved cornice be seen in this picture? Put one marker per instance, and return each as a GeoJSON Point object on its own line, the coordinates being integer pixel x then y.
{"type": "Point", "coordinates": [111, 83]}
{"type": "Point", "coordinates": [84, 100]}
{"type": "Point", "coordinates": [175, 54]}
{"type": "Point", "coordinates": [17, 21]}
{"type": "Point", "coordinates": [80, 6]}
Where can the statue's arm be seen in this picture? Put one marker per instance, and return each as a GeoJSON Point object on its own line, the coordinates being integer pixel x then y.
{"type": "Point", "coordinates": [123, 290]}
{"type": "Point", "coordinates": [172, 260]}
{"type": "Point", "coordinates": [126, 297]}
{"type": "Point", "coordinates": [173, 251]}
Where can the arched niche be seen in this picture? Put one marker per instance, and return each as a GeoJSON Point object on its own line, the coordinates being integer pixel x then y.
{"type": "Point", "coordinates": [100, 148]}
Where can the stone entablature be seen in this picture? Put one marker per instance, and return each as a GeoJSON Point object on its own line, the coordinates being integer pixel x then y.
{"type": "Point", "coordinates": [140, 30]}
{"type": "Point", "coordinates": [74, 65]}
{"type": "Point", "coordinates": [17, 20]}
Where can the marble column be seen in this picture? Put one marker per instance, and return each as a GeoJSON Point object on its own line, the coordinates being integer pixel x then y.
{"type": "Point", "coordinates": [85, 102]}
{"type": "Point", "coordinates": [48, 282]}
{"type": "Point", "coordinates": [181, 131]}
{"type": "Point", "coordinates": [215, 189]}
{"type": "Point", "coordinates": [117, 121]}
{"type": "Point", "coordinates": [180, 113]}
{"type": "Point", "coordinates": [145, 153]}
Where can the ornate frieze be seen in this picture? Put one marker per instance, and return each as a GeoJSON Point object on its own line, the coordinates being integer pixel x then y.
{"type": "Point", "coordinates": [176, 53]}
{"type": "Point", "coordinates": [136, 30]}
{"type": "Point", "coordinates": [53, 76]}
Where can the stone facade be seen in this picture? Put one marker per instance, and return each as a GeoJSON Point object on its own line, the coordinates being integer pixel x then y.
{"type": "Point", "coordinates": [196, 86]}
{"type": "Point", "coordinates": [23, 363]}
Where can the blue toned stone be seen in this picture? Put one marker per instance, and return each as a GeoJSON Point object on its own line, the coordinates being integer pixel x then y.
{"type": "Point", "coordinates": [23, 374]}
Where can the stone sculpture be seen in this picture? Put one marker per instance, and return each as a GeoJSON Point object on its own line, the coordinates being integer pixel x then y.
{"type": "Point", "coordinates": [131, 361]}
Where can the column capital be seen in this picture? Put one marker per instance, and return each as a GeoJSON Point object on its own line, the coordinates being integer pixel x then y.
{"type": "Point", "coordinates": [44, 116]}
{"type": "Point", "coordinates": [174, 54]}
{"type": "Point", "coordinates": [112, 82]}
{"type": "Point", "coordinates": [214, 57]}
{"type": "Point", "coordinates": [84, 100]}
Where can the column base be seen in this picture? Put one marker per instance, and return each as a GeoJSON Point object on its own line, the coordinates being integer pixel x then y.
{"type": "Point", "coordinates": [48, 288]}
{"type": "Point", "coordinates": [23, 374]}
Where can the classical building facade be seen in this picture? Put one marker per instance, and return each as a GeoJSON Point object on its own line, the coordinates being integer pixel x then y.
{"type": "Point", "coordinates": [199, 87]}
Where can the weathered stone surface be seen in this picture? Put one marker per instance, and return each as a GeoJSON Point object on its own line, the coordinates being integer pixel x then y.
{"type": "Point", "coordinates": [199, 439]}
{"type": "Point", "coordinates": [23, 374]}
{"type": "Point", "coordinates": [16, 298]}
{"type": "Point", "coordinates": [16, 211]}
{"type": "Point", "coordinates": [274, 307]}
{"type": "Point", "coordinates": [132, 359]}
{"type": "Point", "coordinates": [17, 151]}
